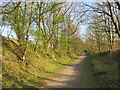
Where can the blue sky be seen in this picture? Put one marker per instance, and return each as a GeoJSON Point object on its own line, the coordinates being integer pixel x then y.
{"type": "Point", "coordinates": [6, 32]}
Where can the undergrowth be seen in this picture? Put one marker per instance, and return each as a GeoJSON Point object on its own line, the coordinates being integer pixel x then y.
{"type": "Point", "coordinates": [102, 70]}
{"type": "Point", "coordinates": [39, 69]}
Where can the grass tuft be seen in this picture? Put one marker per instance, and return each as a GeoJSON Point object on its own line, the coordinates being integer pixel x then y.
{"type": "Point", "coordinates": [102, 70]}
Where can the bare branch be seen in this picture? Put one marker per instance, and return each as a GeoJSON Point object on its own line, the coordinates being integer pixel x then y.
{"type": "Point", "coordinates": [3, 12]}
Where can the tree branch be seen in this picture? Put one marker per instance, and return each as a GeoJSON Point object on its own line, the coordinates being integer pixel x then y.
{"type": "Point", "coordinates": [11, 10]}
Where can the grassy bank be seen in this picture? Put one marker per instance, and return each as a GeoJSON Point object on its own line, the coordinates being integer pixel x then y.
{"type": "Point", "coordinates": [101, 70]}
{"type": "Point", "coordinates": [36, 73]}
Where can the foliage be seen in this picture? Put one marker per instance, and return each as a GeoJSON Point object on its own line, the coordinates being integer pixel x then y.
{"type": "Point", "coordinates": [46, 39]}
{"type": "Point", "coordinates": [38, 71]}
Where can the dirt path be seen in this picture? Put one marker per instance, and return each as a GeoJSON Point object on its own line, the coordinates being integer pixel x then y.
{"type": "Point", "coordinates": [70, 77]}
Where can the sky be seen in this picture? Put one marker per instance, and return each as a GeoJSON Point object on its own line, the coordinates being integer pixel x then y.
{"type": "Point", "coordinates": [7, 30]}
{"type": "Point", "coordinates": [82, 30]}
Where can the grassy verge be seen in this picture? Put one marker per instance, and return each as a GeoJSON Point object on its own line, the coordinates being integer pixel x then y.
{"type": "Point", "coordinates": [101, 70]}
{"type": "Point", "coordinates": [38, 71]}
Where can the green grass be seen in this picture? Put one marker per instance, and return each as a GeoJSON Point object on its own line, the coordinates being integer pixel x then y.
{"type": "Point", "coordinates": [101, 70]}
{"type": "Point", "coordinates": [36, 74]}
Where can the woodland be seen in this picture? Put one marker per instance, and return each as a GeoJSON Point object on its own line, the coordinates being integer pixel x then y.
{"type": "Point", "coordinates": [38, 39]}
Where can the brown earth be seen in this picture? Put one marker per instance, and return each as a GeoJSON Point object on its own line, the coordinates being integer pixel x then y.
{"type": "Point", "coordinates": [70, 77]}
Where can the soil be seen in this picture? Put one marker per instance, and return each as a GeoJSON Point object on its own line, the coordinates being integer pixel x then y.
{"type": "Point", "coordinates": [71, 77]}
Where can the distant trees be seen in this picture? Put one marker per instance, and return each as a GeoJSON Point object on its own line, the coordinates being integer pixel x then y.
{"type": "Point", "coordinates": [105, 25]}
{"type": "Point", "coordinates": [109, 10]}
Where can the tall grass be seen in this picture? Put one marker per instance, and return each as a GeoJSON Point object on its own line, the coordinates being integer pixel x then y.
{"type": "Point", "coordinates": [102, 70]}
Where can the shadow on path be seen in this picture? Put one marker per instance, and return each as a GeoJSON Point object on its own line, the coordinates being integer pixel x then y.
{"type": "Point", "coordinates": [71, 77]}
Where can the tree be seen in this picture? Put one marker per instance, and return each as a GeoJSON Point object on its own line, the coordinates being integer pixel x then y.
{"type": "Point", "coordinates": [109, 9]}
